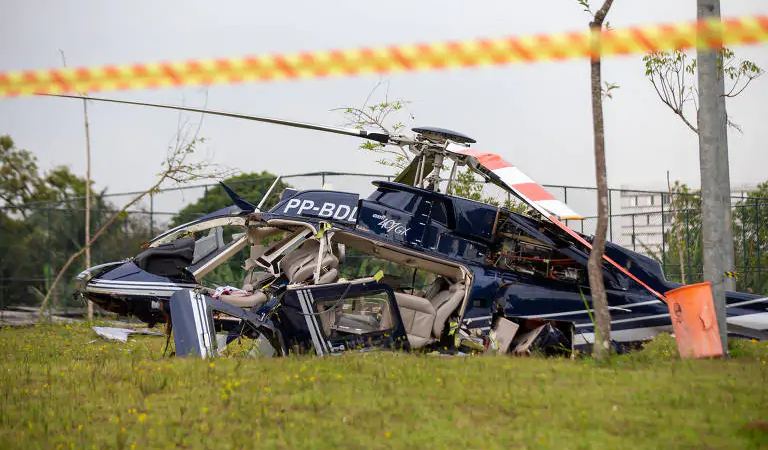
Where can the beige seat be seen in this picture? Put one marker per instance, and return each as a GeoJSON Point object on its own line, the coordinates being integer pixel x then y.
{"type": "Point", "coordinates": [299, 265]}
{"type": "Point", "coordinates": [418, 316]}
{"type": "Point", "coordinates": [255, 279]}
{"type": "Point", "coordinates": [445, 302]}
{"type": "Point", "coordinates": [424, 318]}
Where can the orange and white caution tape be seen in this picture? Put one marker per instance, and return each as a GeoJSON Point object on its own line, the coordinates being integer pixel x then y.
{"type": "Point", "coordinates": [397, 58]}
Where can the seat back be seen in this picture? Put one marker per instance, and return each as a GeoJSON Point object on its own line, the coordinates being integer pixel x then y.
{"type": "Point", "coordinates": [418, 316]}
{"type": "Point", "coordinates": [299, 265]}
{"type": "Point", "coordinates": [444, 303]}
{"type": "Point", "coordinates": [438, 285]}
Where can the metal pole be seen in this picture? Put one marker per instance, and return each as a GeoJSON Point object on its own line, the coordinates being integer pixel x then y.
{"type": "Point", "coordinates": [743, 242]}
{"type": "Point", "coordinates": [47, 276]}
{"type": "Point", "coordinates": [125, 235]}
{"type": "Point", "coordinates": [87, 199]}
{"type": "Point", "coordinates": [610, 215]}
{"type": "Point", "coordinates": [687, 243]}
{"type": "Point", "coordinates": [99, 247]}
{"type": "Point", "coordinates": [633, 233]}
{"type": "Point", "coordinates": [757, 245]}
{"type": "Point", "coordinates": [205, 197]}
{"type": "Point", "coordinates": [2, 273]}
{"type": "Point", "coordinates": [151, 215]}
{"type": "Point", "coordinates": [663, 238]}
{"type": "Point", "coordinates": [713, 161]}
{"type": "Point", "coordinates": [565, 199]}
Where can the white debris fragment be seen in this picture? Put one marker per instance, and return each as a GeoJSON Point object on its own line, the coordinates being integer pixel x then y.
{"type": "Point", "coordinates": [121, 334]}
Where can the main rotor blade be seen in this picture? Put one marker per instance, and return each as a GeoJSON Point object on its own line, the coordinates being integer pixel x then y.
{"type": "Point", "coordinates": [378, 137]}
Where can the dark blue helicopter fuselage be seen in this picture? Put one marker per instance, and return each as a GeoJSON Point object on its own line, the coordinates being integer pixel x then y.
{"type": "Point", "coordinates": [466, 233]}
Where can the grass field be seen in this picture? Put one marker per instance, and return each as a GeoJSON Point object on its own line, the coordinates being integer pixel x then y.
{"type": "Point", "coordinates": [62, 389]}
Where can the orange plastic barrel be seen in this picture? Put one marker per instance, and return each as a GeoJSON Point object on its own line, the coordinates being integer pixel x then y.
{"type": "Point", "coordinates": [694, 321]}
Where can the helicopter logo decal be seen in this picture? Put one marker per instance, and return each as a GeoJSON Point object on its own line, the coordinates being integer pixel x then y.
{"type": "Point", "coordinates": [391, 225]}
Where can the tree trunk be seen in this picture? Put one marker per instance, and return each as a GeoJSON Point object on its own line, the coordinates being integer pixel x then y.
{"type": "Point", "coordinates": [602, 345]}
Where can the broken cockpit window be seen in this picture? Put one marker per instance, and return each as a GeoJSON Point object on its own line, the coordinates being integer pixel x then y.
{"type": "Point", "coordinates": [363, 314]}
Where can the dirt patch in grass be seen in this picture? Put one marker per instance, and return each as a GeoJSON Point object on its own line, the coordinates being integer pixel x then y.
{"type": "Point", "coordinates": [62, 389]}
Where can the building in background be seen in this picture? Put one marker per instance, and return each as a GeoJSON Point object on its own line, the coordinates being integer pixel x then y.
{"type": "Point", "coordinates": [646, 215]}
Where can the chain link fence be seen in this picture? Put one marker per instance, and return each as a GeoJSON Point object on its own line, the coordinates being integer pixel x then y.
{"type": "Point", "coordinates": [36, 240]}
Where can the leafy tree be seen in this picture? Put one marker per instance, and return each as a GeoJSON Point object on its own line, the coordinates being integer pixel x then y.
{"type": "Point", "coordinates": [672, 73]}
{"type": "Point", "coordinates": [42, 222]}
{"type": "Point", "coordinates": [750, 235]}
{"type": "Point", "coordinates": [250, 186]}
{"type": "Point", "coordinates": [750, 225]}
{"type": "Point", "coordinates": [21, 181]}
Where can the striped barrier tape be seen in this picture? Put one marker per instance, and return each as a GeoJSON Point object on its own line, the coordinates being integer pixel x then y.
{"type": "Point", "coordinates": [401, 58]}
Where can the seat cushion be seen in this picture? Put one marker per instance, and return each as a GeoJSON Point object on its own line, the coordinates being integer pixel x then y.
{"type": "Point", "coordinates": [257, 299]}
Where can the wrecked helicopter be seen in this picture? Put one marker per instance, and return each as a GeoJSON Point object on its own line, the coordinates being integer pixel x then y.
{"type": "Point", "coordinates": [444, 273]}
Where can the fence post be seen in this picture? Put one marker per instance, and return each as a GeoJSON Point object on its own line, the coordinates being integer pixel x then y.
{"type": "Point", "coordinates": [688, 244]}
{"type": "Point", "coordinates": [757, 246]}
{"type": "Point", "coordinates": [2, 273]}
{"type": "Point", "coordinates": [151, 214]}
{"type": "Point", "coordinates": [322, 179]}
{"type": "Point", "coordinates": [610, 215]}
{"type": "Point", "coordinates": [565, 199]}
{"type": "Point", "coordinates": [125, 234]}
{"type": "Point", "coordinates": [205, 197]}
{"type": "Point", "coordinates": [663, 238]}
{"type": "Point", "coordinates": [99, 205]}
{"type": "Point", "coordinates": [47, 277]}
{"type": "Point", "coordinates": [743, 242]}
{"type": "Point", "coordinates": [633, 232]}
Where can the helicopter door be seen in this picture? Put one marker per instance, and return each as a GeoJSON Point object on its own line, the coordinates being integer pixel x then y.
{"type": "Point", "coordinates": [339, 317]}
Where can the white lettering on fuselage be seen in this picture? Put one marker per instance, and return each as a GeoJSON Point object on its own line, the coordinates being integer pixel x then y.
{"type": "Point", "coordinates": [327, 209]}
{"type": "Point", "coordinates": [392, 226]}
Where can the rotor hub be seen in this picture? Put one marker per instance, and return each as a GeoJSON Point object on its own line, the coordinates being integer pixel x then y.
{"type": "Point", "coordinates": [440, 135]}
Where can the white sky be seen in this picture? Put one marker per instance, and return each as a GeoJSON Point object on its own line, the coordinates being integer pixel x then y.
{"type": "Point", "coordinates": [537, 116]}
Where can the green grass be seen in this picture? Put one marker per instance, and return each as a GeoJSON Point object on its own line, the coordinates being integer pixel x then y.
{"type": "Point", "coordinates": [59, 390]}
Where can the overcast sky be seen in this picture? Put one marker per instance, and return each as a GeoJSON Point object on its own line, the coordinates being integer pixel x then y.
{"type": "Point", "coordinates": [537, 116]}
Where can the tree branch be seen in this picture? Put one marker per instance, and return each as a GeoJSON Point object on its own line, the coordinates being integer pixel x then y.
{"type": "Point", "coordinates": [601, 13]}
